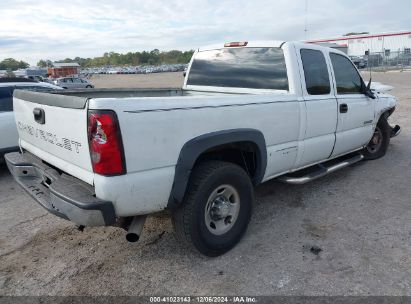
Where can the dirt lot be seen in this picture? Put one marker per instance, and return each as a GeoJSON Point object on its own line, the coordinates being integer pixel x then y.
{"type": "Point", "coordinates": [360, 219]}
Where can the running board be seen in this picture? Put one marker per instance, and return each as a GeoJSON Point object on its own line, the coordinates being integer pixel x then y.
{"type": "Point", "coordinates": [319, 170]}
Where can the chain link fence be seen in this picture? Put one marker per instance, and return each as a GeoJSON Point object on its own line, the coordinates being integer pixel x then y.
{"type": "Point", "coordinates": [388, 60]}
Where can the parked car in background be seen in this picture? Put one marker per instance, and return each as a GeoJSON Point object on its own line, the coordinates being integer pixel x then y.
{"type": "Point", "coordinates": [73, 83]}
{"type": "Point", "coordinates": [36, 78]}
{"type": "Point", "coordinates": [359, 62]}
{"type": "Point", "coordinates": [138, 69]}
{"type": "Point", "coordinates": [9, 136]}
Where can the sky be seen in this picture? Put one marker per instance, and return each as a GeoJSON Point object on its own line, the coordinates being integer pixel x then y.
{"type": "Point", "coordinates": [53, 29]}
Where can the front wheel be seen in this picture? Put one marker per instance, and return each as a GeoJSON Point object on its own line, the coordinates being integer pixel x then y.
{"type": "Point", "coordinates": [216, 209]}
{"type": "Point", "coordinates": [378, 145]}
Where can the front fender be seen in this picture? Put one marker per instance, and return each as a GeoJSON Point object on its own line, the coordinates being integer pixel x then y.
{"type": "Point", "coordinates": [385, 106]}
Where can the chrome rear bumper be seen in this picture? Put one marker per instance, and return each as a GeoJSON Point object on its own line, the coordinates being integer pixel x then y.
{"type": "Point", "coordinates": [59, 193]}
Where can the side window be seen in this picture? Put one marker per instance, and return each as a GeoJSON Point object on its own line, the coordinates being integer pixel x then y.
{"type": "Point", "coordinates": [315, 72]}
{"type": "Point", "coordinates": [6, 99]}
{"type": "Point", "coordinates": [346, 76]}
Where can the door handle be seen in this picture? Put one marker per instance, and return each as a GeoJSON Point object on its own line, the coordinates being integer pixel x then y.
{"type": "Point", "coordinates": [343, 108]}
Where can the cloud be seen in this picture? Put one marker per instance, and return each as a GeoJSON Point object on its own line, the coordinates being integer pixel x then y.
{"type": "Point", "coordinates": [31, 30]}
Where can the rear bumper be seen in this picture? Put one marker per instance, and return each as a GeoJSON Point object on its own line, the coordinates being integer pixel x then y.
{"type": "Point", "coordinates": [61, 194]}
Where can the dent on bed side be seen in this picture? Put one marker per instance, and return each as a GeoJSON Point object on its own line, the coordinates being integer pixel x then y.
{"type": "Point", "coordinates": [195, 147]}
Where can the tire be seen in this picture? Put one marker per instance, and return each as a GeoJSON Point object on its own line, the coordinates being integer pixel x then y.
{"type": "Point", "coordinates": [88, 87]}
{"type": "Point", "coordinates": [378, 145]}
{"type": "Point", "coordinates": [216, 209]}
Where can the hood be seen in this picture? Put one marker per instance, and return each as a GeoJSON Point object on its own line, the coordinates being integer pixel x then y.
{"type": "Point", "coordinates": [379, 87]}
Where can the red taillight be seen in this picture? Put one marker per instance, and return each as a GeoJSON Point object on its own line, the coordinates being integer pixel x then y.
{"type": "Point", "coordinates": [233, 44]}
{"type": "Point", "coordinates": [106, 147]}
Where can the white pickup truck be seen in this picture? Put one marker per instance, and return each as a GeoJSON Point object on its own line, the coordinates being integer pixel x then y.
{"type": "Point", "coordinates": [248, 112]}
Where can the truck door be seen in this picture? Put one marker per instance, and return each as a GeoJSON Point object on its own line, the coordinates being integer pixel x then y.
{"type": "Point", "coordinates": [321, 107]}
{"type": "Point", "coordinates": [355, 110]}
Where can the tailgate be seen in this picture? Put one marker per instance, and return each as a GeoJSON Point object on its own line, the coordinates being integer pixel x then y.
{"type": "Point", "coordinates": [54, 128]}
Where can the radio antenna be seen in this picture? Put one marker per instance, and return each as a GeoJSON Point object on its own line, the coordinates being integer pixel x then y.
{"type": "Point", "coordinates": [306, 20]}
{"type": "Point", "coordinates": [368, 63]}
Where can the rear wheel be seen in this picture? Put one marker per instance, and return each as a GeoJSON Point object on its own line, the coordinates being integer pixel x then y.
{"type": "Point", "coordinates": [216, 209]}
{"type": "Point", "coordinates": [378, 145]}
{"type": "Point", "coordinates": [88, 87]}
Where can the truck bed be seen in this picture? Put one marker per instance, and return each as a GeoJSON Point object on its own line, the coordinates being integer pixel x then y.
{"type": "Point", "coordinates": [64, 98]}
{"type": "Point", "coordinates": [143, 115]}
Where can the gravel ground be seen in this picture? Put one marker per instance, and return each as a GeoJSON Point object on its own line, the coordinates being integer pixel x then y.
{"type": "Point", "coordinates": [345, 234]}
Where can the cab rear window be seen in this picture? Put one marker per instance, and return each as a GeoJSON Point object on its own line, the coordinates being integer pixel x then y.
{"type": "Point", "coordinates": [254, 68]}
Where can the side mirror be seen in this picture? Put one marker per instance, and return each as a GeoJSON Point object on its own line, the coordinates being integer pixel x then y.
{"type": "Point", "coordinates": [368, 92]}
{"type": "Point", "coordinates": [184, 73]}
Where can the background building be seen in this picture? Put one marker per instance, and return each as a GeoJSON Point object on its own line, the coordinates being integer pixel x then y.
{"type": "Point", "coordinates": [31, 71]}
{"type": "Point", "coordinates": [381, 51]}
{"type": "Point", "coordinates": [375, 43]}
{"type": "Point", "coordinates": [63, 69]}
{"type": "Point", "coordinates": [341, 47]}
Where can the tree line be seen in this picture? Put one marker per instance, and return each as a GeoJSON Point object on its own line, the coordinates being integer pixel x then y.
{"type": "Point", "coordinates": [13, 64]}
{"type": "Point", "coordinates": [154, 57]}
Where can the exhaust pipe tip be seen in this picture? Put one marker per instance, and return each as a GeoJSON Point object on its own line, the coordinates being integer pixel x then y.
{"type": "Point", "coordinates": [132, 237]}
{"type": "Point", "coordinates": [135, 228]}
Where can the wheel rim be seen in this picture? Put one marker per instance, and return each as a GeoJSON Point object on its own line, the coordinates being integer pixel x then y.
{"type": "Point", "coordinates": [375, 142]}
{"type": "Point", "coordinates": [222, 209]}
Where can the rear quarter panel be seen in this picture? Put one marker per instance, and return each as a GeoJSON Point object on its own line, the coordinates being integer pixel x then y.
{"type": "Point", "coordinates": [155, 129]}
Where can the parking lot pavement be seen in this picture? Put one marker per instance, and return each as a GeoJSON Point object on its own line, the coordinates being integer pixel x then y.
{"type": "Point", "coordinates": [346, 234]}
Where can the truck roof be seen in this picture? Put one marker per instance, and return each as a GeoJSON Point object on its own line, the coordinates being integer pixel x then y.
{"type": "Point", "coordinates": [254, 43]}
{"type": "Point", "coordinates": [265, 43]}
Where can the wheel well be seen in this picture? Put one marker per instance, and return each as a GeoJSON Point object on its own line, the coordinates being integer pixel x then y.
{"type": "Point", "coordinates": [243, 154]}
{"type": "Point", "coordinates": [386, 113]}
{"type": "Point", "coordinates": [245, 147]}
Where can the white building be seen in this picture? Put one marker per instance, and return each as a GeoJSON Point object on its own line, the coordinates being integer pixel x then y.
{"type": "Point", "coordinates": [385, 43]}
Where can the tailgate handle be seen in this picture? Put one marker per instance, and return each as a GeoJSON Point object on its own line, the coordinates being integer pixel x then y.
{"type": "Point", "coordinates": [39, 116]}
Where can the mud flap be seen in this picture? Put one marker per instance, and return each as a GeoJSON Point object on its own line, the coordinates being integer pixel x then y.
{"type": "Point", "coordinates": [395, 131]}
